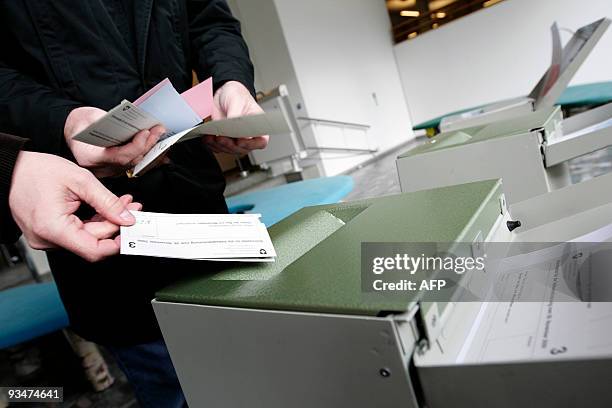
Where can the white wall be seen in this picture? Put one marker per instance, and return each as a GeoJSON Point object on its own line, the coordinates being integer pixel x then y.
{"type": "Point", "coordinates": [340, 56]}
{"type": "Point", "coordinates": [499, 52]}
{"type": "Point", "coordinates": [268, 48]}
{"type": "Point", "coordinates": [343, 55]}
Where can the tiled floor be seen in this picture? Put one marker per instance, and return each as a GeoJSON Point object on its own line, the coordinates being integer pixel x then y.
{"type": "Point", "coordinates": [379, 177]}
{"type": "Point", "coordinates": [58, 365]}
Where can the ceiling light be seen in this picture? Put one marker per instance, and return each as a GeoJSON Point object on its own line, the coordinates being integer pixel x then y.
{"type": "Point", "coordinates": [490, 3]}
{"type": "Point", "coordinates": [438, 4]}
{"type": "Point", "coordinates": [412, 35]}
{"type": "Point", "coordinates": [397, 5]}
{"type": "Point", "coordinates": [409, 13]}
{"type": "Point", "coordinates": [440, 14]}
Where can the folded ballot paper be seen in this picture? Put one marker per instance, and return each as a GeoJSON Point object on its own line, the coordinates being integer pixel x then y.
{"type": "Point", "coordinates": [181, 114]}
{"type": "Point", "coordinates": [211, 237]}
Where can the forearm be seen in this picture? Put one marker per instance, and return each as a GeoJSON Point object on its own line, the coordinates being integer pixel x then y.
{"type": "Point", "coordinates": [9, 150]}
{"type": "Point", "coordinates": [34, 111]}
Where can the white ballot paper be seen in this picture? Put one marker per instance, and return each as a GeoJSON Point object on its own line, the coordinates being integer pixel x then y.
{"type": "Point", "coordinates": [555, 305]}
{"type": "Point", "coordinates": [214, 237]}
{"type": "Point", "coordinates": [244, 126]}
{"type": "Point", "coordinates": [118, 126]}
{"type": "Point", "coordinates": [556, 328]}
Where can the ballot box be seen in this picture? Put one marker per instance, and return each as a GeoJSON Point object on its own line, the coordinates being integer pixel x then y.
{"type": "Point", "coordinates": [479, 363]}
{"type": "Point", "coordinates": [305, 332]}
{"type": "Point", "coordinates": [530, 153]}
{"type": "Point", "coordinates": [564, 64]}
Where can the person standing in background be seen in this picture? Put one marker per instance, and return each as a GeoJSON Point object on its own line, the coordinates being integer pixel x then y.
{"type": "Point", "coordinates": [62, 65]}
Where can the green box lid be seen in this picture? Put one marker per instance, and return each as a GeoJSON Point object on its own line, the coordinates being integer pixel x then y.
{"type": "Point", "coordinates": [318, 266]}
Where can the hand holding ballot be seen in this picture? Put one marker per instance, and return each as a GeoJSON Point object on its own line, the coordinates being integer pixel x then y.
{"type": "Point", "coordinates": [230, 101]}
{"type": "Point", "coordinates": [233, 111]}
{"type": "Point", "coordinates": [43, 205]}
{"type": "Point", "coordinates": [107, 161]}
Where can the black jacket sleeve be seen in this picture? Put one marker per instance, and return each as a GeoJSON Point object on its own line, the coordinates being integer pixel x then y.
{"type": "Point", "coordinates": [33, 111]}
{"type": "Point", "coordinates": [217, 44]}
{"type": "Point", "coordinates": [9, 149]}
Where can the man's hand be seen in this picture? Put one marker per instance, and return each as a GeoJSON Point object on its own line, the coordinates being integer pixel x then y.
{"type": "Point", "coordinates": [110, 161]}
{"type": "Point", "coordinates": [231, 100]}
{"type": "Point", "coordinates": [45, 193]}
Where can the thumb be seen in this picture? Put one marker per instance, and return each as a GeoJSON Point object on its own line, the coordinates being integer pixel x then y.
{"type": "Point", "coordinates": [235, 108]}
{"type": "Point", "coordinates": [107, 204]}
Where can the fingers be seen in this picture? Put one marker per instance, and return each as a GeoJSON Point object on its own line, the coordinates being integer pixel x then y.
{"type": "Point", "coordinates": [80, 242]}
{"type": "Point", "coordinates": [68, 232]}
{"type": "Point", "coordinates": [131, 206]}
{"type": "Point", "coordinates": [92, 240]}
{"type": "Point", "coordinates": [164, 159]}
{"type": "Point", "coordinates": [134, 206]}
{"type": "Point", "coordinates": [235, 108]}
{"type": "Point", "coordinates": [101, 229]}
{"type": "Point", "coordinates": [253, 108]}
{"type": "Point", "coordinates": [131, 153]}
{"type": "Point", "coordinates": [107, 204]}
{"type": "Point", "coordinates": [253, 143]}
{"type": "Point", "coordinates": [225, 145]}
{"type": "Point", "coordinates": [234, 100]}
{"type": "Point", "coordinates": [92, 249]}
{"type": "Point", "coordinates": [215, 146]}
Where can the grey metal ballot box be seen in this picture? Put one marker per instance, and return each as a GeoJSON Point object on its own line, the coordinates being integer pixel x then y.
{"type": "Point", "coordinates": [302, 333]}
{"type": "Point", "coordinates": [530, 153]}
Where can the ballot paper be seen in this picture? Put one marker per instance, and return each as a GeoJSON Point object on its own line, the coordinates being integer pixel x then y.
{"type": "Point", "coordinates": [549, 304]}
{"type": "Point", "coordinates": [168, 106]}
{"type": "Point", "coordinates": [181, 114]}
{"type": "Point", "coordinates": [215, 237]}
{"type": "Point", "coordinates": [162, 104]}
{"type": "Point", "coordinates": [200, 98]}
{"type": "Point", "coordinates": [119, 125]}
{"type": "Point", "coordinates": [244, 126]}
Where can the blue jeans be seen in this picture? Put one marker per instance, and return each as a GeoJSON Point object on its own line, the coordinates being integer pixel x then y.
{"type": "Point", "coordinates": [149, 370]}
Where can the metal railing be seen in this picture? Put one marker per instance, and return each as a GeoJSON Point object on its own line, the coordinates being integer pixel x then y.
{"type": "Point", "coordinates": [342, 124]}
{"type": "Point", "coordinates": [334, 122]}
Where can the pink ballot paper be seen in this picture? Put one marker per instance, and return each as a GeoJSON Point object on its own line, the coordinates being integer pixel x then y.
{"type": "Point", "coordinates": [200, 98]}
